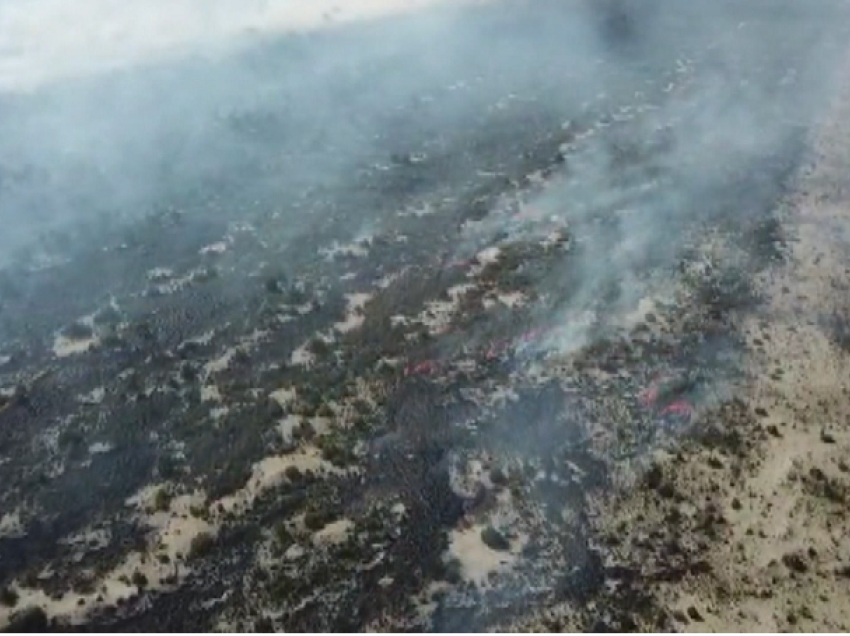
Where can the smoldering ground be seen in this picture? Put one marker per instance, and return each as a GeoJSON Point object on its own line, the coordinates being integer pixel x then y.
{"type": "Point", "coordinates": [101, 144]}
{"type": "Point", "coordinates": [581, 154]}
{"type": "Point", "coordinates": [220, 131]}
{"type": "Point", "coordinates": [639, 187]}
{"type": "Point", "coordinates": [685, 182]}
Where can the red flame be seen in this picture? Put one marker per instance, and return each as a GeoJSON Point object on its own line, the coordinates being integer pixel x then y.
{"type": "Point", "coordinates": [679, 407]}
{"type": "Point", "coordinates": [423, 368]}
{"type": "Point", "coordinates": [649, 395]}
{"type": "Point", "coordinates": [497, 348]}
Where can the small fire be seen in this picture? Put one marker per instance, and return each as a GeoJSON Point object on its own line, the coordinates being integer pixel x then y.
{"type": "Point", "coordinates": [496, 349]}
{"type": "Point", "coordinates": [648, 398]}
{"type": "Point", "coordinates": [649, 395]}
{"type": "Point", "coordinates": [422, 368]}
{"type": "Point", "coordinates": [679, 407]}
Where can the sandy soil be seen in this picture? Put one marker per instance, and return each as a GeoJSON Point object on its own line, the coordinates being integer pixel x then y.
{"type": "Point", "coordinates": [763, 525]}
{"type": "Point", "coordinates": [482, 407]}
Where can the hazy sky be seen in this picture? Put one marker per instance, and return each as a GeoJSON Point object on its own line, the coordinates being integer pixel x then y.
{"type": "Point", "coordinates": [42, 40]}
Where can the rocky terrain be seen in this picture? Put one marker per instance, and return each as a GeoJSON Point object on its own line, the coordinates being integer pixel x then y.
{"type": "Point", "coordinates": [541, 330]}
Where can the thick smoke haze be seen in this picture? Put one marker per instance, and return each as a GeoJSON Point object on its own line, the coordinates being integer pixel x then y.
{"type": "Point", "coordinates": [511, 246]}
{"type": "Point", "coordinates": [110, 112]}
{"type": "Point", "coordinates": [702, 140]}
{"type": "Point", "coordinates": [107, 110]}
{"type": "Point", "coordinates": [50, 40]}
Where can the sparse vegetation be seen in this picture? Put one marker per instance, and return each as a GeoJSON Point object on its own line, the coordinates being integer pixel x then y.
{"type": "Point", "coordinates": [335, 450]}
{"type": "Point", "coordinates": [109, 315]}
{"type": "Point", "coordinates": [602, 495]}
{"type": "Point", "coordinates": [8, 597]}
{"type": "Point", "coordinates": [199, 512]}
{"type": "Point", "coordinates": [201, 545]}
{"type": "Point", "coordinates": [31, 619]}
{"type": "Point", "coordinates": [283, 536]}
{"type": "Point", "coordinates": [139, 580]}
{"type": "Point", "coordinates": [494, 539]}
{"type": "Point", "coordinates": [167, 466]}
{"type": "Point", "coordinates": [78, 331]}
{"type": "Point", "coordinates": [362, 406]}
{"type": "Point", "coordinates": [305, 407]}
{"type": "Point", "coordinates": [206, 274]}
{"type": "Point", "coordinates": [325, 410]}
{"type": "Point", "coordinates": [453, 571]}
{"type": "Point", "coordinates": [315, 520]}
{"type": "Point", "coordinates": [319, 347]}
{"type": "Point", "coordinates": [162, 500]}
{"type": "Point", "coordinates": [293, 473]}
{"type": "Point", "coordinates": [71, 440]}
{"type": "Point", "coordinates": [274, 285]}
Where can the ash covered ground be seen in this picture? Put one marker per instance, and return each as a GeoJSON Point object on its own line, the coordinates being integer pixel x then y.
{"type": "Point", "coordinates": [485, 316]}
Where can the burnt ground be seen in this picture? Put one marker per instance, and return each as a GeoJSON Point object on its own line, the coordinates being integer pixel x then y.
{"type": "Point", "coordinates": [347, 376]}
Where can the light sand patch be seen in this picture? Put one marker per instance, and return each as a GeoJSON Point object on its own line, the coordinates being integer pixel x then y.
{"type": "Point", "coordinates": [294, 552]}
{"type": "Point", "coordinates": [399, 510]}
{"type": "Point", "coordinates": [777, 563]}
{"type": "Point", "coordinates": [512, 300]}
{"type": "Point", "coordinates": [354, 314]}
{"type": "Point", "coordinates": [270, 472]}
{"type": "Point", "coordinates": [214, 248]}
{"type": "Point", "coordinates": [302, 310]}
{"type": "Point", "coordinates": [426, 603]}
{"type": "Point", "coordinates": [425, 209]}
{"type": "Point", "coordinates": [64, 346]}
{"type": "Point", "coordinates": [204, 339]}
{"type": "Point", "coordinates": [284, 396]}
{"type": "Point", "coordinates": [465, 480]}
{"type": "Point", "coordinates": [388, 279]}
{"type": "Point", "coordinates": [171, 284]}
{"type": "Point", "coordinates": [645, 306]}
{"type": "Point", "coordinates": [320, 425]}
{"type": "Point", "coordinates": [780, 514]}
{"type": "Point", "coordinates": [172, 532]}
{"type": "Point", "coordinates": [478, 561]}
{"type": "Point", "coordinates": [554, 238]}
{"type": "Point", "coordinates": [302, 356]}
{"type": "Point", "coordinates": [500, 395]}
{"type": "Point", "coordinates": [90, 539]}
{"type": "Point", "coordinates": [255, 337]}
{"type": "Point", "coordinates": [218, 413]}
{"type": "Point", "coordinates": [336, 250]}
{"type": "Point", "coordinates": [6, 394]}
{"type": "Point", "coordinates": [334, 533]}
{"type": "Point", "coordinates": [159, 274]}
{"type": "Point", "coordinates": [438, 314]}
{"type": "Point", "coordinates": [98, 448]}
{"type": "Point", "coordinates": [210, 393]}
{"type": "Point", "coordinates": [11, 526]}
{"type": "Point", "coordinates": [488, 256]}
{"type": "Point", "coordinates": [219, 364]}
{"type": "Point", "coordinates": [287, 427]}
{"type": "Point", "coordinates": [95, 396]}
{"type": "Point", "coordinates": [175, 528]}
